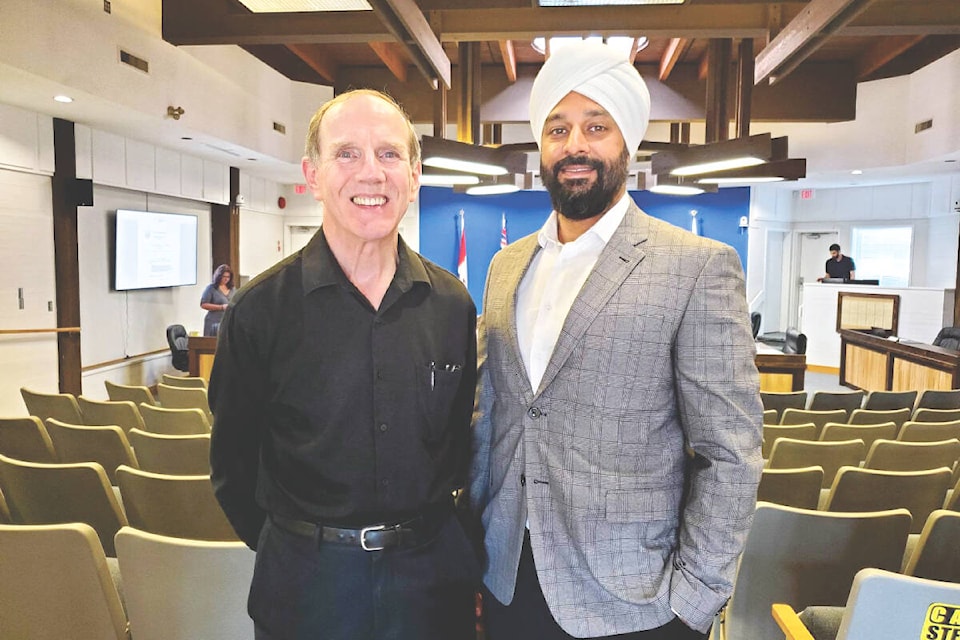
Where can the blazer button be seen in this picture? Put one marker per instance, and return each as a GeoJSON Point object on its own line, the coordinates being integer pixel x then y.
{"type": "Point", "coordinates": [534, 412]}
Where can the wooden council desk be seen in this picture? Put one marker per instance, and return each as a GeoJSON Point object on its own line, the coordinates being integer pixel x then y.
{"type": "Point", "coordinates": [200, 350]}
{"type": "Point", "coordinates": [780, 371]}
{"type": "Point", "coordinates": [873, 363]}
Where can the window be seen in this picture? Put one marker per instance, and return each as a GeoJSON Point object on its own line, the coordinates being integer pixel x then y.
{"type": "Point", "coordinates": [883, 253]}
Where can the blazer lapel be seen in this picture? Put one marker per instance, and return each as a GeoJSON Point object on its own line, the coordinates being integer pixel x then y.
{"type": "Point", "coordinates": [520, 256]}
{"type": "Point", "coordinates": [617, 261]}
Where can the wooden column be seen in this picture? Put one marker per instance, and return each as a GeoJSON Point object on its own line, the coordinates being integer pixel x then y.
{"type": "Point", "coordinates": [468, 109]}
{"type": "Point", "coordinates": [440, 112]}
{"type": "Point", "coordinates": [66, 260]}
{"type": "Point", "coordinates": [718, 76]}
{"type": "Point", "coordinates": [225, 229]}
{"type": "Point", "coordinates": [744, 87]}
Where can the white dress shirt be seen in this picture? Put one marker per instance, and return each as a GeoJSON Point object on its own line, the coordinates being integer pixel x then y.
{"type": "Point", "coordinates": [553, 281]}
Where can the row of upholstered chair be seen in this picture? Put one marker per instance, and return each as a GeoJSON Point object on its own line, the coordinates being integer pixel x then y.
{"type": "Point", "coordinates": [31, 440]}
{"type": "Point", "coordinates": [804, 557]}
{"type": "Point", "coordinates": [123, 409]}
{"type": "Point", "coordinates": [55, 582]}
{"type": "Point", "coordinates": [859, 416]}
{"type": "Point", "coordinates": [835, 431]}
{"type": "Point", "coordinates": [848, 401]}
{"type": "Point", "coordinates": [857, 489]}
{"type": "Point", "coordinates": [173, 505]}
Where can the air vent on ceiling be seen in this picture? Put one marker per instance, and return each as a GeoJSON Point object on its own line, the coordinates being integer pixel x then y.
{"type": "Point", "coordinates": [106, 6]}
{"type": "Point", "coordinates": [923, 126]}
{"type": "Point", "coordinates": [280, 128]}
{"type": "Point", "coordinates": [137, 63]}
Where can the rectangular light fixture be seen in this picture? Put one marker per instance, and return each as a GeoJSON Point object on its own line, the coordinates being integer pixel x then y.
{"type": "Point", "coordinates": [677, 186]}
{"type": "Point", "coordinates": [603, 3]}
{"type": "Point", "coordinates": [779, 170]}
{"type": "Point", "coordinates": [292, 6]}
{"type": "Point", "coordinates": [470, 158]}
{"type": "Point", "coordinates": [441, 178]}
{"type": "Point", "coordinates": [719, 156]}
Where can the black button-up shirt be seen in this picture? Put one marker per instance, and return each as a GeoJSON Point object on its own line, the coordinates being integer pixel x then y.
{"type": "Point", "coordinates": [331, 411]}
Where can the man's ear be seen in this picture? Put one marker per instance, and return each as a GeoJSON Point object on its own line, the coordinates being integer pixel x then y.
{"type": "Point", "coordinates": [310, 173]}
{"type": "Point", "coordinates": [415, 173]}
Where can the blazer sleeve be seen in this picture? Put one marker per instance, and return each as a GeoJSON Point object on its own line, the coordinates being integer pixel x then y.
{"type": "Point", "coordinates": [720, 410]}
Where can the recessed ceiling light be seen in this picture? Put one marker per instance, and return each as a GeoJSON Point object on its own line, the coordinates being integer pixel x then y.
{"type": "Point", "coordinates": [64, 99]}
{"type": "Point", "coordinates": [857, 172]}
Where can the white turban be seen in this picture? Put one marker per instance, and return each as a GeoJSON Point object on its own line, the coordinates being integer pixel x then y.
{"type": "Point", "coordinates": [602, 74]}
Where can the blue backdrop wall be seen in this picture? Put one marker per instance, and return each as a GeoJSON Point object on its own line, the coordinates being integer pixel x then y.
{"type": "Point", "coordinates": [718, 216]}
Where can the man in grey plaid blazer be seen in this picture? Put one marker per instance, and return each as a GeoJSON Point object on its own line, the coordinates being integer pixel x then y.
{"type": "Point", "coordinates": [618, 423]}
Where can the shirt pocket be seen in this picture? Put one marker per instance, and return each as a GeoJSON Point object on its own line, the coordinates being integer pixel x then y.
{"type": "Point", "coordinates": [437, 385]}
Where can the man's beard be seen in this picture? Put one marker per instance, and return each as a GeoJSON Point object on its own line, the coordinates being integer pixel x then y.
{"type": "Point", "coordinates": [573, 198]}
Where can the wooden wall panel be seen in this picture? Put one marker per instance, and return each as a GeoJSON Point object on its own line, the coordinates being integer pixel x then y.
{"type": "Point", "coordinates": [865, 368]}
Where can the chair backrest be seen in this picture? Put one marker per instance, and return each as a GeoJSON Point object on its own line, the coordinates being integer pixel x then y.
{"type": "Point", "coordinates": [796, 431]}
{"type": "Point", "coordinates": [178, 589]}
{"type": "Point", "coordinates": [178, 340]}
{"type": "Point", "coordinates": [755, 318]}
{"type": "Point", "coordinates": [5, 517]}
{"type": "Point", "coordinates": [830, 400]}
{"type": "Point", "coordinates": [929, 431]}
{"type": "Point", "coordinates": [174, 422]}
{"type": "Point", "coordinates": [937, 554]}
{"type": "Point", "coordinates": [819, 418]}
{"type": "Point", "coordinates": [105, 445]}
{"type": "Point", "coordinates": [26, 439]}
{"type": "Point", "coordinates": [802, 558]}
{"type": "Point", "coordinates": [896, 455]}
{"type": "Point", "coordinates": [172, 455]}
{"type": "Point", "coordinates": [869, 433]}
{"type": "Point", "coordinates": [58, 493]}
{"type": "Point", "coordinates": [183, 381]}
{"type": "Point", "coordinates": [887, 400]}
{"type": "Point", "coordinates": [920, 492]}
{"type": "Point", "coordinates": [134, 393]}
{"type": "Point", "coordinates": [770, 416]}
{"type": "Point", "coordinates": [779, 401]}
{"type": "Point", "coordinates": [952, 503]}
{"type": "Point", "coordinates": [794, 341]}
{"type": "Point", "coordinates": [938, 399]}
{"type": "Point", "coordinates": [184, 398]}
{"type": "Point", "coordinates": [948, 338]}
{"type": "Point", "coordinates": [60, 406]}
{"type": "Point", "coordinates": [177, 506]}
{"type": "Point", "coordinates": [798, 488]}
{"type": "Point", "coordinates": [795, 454]}
{"type": "Point", "coordinates": [54, 584]}
{"type": "Point", "coordinates": [872, 416]}
{"type": "Point", "coordinates": [118, 413]}
{"type": "Point", "coordinates": [884, 605]}
{"type": "Point", "coordinates": [936, 415]}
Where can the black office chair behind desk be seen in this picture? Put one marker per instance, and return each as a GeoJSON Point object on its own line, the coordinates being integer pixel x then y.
{"type": "Point", "coordinates": [755, 323]}
{"type": "Point", "coordinates": [795, 342]}
{"type": "Point", "coordinates": [177, 340]}
{"type": "Point", "coordinates": [948, 338]}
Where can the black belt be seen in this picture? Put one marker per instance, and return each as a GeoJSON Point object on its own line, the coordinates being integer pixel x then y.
{"type": "Point", "coordinates": [409, 533]}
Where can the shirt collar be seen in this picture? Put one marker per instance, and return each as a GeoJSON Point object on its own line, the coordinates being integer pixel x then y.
{"type": "Point", "coordinates": [603, 229]}
{"type": "Point", "coordinates": [321, 269]}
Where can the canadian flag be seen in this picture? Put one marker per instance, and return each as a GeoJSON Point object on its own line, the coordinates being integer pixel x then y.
{"type": "Point", "coordinates": [503, 230]}
{"type": "Point", "coordinates": [462, 253]}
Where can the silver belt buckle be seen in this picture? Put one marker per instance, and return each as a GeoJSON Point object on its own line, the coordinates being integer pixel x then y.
{"type": "Point", "coordinates": [363, 537]}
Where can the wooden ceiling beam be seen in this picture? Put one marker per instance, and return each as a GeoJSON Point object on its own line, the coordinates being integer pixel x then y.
{"type": "Point", "coordinates": [917, 17]}
{"type": "Point", "coordinates": [803, 35]}
{"type": "Point", "coordinates": [882, 52]}
{"type": "Point", "coordinates": [675, 50]}
{"type": "Point", "coordinates": [405, 20]}
{"type": "Point", "coordinates": [509, 57]}
{"type": "Point", "coordinates": [391, 55]}
{"type": "Point", "coordinates": [325, 67]}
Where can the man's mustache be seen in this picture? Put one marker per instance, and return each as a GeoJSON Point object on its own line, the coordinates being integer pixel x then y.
{"type": "Point", "coordinates": [593, 163]}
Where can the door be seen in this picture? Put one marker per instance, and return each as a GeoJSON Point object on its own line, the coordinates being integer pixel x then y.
{"type": "Point", "coordinates": [812, 252]}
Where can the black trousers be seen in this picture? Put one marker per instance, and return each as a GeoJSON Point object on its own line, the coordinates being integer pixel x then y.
{"type": "Point", "coordinates": [305, 590]}
{"type": "Point", "coordinates": [528, 618]}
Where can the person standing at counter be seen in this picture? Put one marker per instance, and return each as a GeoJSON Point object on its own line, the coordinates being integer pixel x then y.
{"type": "Point", "coordinates": [215, 298]}
{"type": "Point", "coordinates": [839, 265]}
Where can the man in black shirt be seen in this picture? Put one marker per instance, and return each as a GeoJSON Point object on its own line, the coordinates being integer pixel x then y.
{"type": "Point", "coordinates": [342, 392]}
{"type": "Point", "coordinates": [839, 265]}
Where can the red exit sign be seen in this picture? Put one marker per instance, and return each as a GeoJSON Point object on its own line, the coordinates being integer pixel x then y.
{"type": "Point", "coordinates": [806, 194]}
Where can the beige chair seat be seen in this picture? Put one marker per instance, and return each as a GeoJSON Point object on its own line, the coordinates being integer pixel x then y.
{"type": "Point", "coordinates": [105, 445]}
{"type": "Point", "coordinates": [134, 393]}
{"type": "Point", "coordinates": [888, 400]}
{"type": "Point", "coordinates": [869, 433]}
{"type": "Point", "coordinates": [174, 422]}
{"type": "Point", "coordinates": [26, 439]}
{"type": "Point", "coordinates": [894, 455]}
{"type": "Point", "coordinates": [869, 416]}
{"type": "Point", "coordinates": [848, 401]}
{"type": "Point", "coordinates": [55, 585]}
{"type": "Point", "coordinates": [830, 456]}
{"type": "Point", "coordinates": [184, 398]}
{"type": "Point", "coordinates": [799, 488]}
{"type": "Point", "coordinates": [929, 431]}
{"type": "Point", "coordinates": [59, 406]}
{"type": "Point", "coordinates": [819, 418]}
{"type": "Point", "coordinates": [936, 415]}
{"type": "Point", "coordinates": [183, 381]}
{"type": "Point", "coordinates": [172, 455]}
{"type": "Point", "coordinates": [778, 401]}
{"type": "Point", "coordinates": [119, 413]}
{"type": "Point", "coordinates": [937, 554]}
{"type": "Point", "coordinates": [771, 432]}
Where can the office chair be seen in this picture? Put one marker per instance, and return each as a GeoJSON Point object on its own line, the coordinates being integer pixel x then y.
{"type": "Point", "coordinates": [177, 339]}
{"type": "Point", "coordinates": [948, 338]}
{"type": "Point", "coordinates": [795, 342]}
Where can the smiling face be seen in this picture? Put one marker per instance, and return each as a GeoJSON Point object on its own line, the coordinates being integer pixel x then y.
{"type": "Point", "coordinates": [583, 158]}
{"type": "Point", "coordinates": [365, 176]}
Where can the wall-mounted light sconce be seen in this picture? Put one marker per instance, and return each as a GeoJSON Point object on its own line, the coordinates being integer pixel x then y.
{"type": "Point", "coordinates": [175, 112]}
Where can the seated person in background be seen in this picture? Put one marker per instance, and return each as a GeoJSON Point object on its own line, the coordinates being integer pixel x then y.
{"type": "Point", "coordinates": [839, 265]}
{"type": "Point", "coordinates": [215, 298]}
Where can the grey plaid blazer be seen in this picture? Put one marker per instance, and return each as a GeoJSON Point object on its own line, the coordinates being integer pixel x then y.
{"type": "Point", "coordinates": [655, 360]}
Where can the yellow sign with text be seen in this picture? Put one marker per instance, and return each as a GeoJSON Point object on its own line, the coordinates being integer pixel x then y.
{"type": "Point", "coordinates": [942, 622]}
